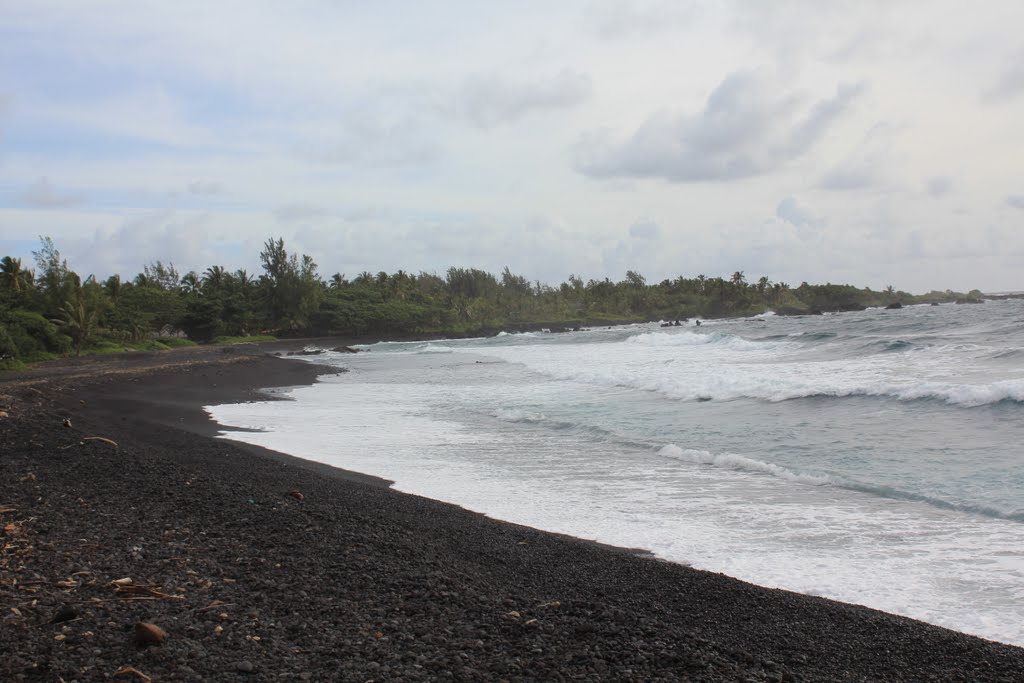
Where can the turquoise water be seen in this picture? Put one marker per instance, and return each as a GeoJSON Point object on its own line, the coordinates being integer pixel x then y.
{"type": "Point", "coordinates": [872, 457]}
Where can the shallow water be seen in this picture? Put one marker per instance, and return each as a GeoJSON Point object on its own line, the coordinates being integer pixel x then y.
{"type": "Point", "coordinates": [870, 457]}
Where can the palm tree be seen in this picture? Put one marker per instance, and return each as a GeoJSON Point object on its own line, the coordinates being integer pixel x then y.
{"type": "Point", "coordinates": [79, 320]}
{"type": "Point", "coordinates": [190, 283]}
{"type": "Point", "coordinates": [13, 276]}
{"type": "Point", "coordinates": [337, 281]}
{"type": "Point", "coordinates": [113, 286]}
{"type": "Point", "coordinates": [244, 280]}
{"type": "Point", "coordinates": [214, 278]}
{"type": "Point", "coordinates": [738, 278]}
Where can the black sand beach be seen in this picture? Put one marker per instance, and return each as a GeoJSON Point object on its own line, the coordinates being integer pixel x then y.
{"type": "Point", "coordinates": [263, 567]}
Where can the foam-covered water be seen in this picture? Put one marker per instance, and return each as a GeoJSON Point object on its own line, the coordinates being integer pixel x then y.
{"type": "Point", "coordinates": [870, 457]}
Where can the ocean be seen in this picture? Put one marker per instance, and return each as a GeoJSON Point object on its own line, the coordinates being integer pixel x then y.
{"type": "Point", "coordinates": [874, 457]}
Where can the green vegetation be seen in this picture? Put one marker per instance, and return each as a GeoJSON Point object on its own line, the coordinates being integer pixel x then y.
{"type": "Point", "coordinates": [51, 312]}
{"type": "Point", "coordinates": [251, 339]}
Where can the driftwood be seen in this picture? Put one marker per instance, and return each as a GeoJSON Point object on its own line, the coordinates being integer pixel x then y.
{"type": "Point", "coordinates": [100, 438]}
{"type": "Point", "coordinates": [81, 442]}
{"type": "Point", "coordinates": [145, 590]}
{"type": "Point", "coordinates": [132, 671]}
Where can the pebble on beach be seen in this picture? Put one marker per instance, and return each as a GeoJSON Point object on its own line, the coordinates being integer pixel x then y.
{"type": "Point", "coordinates": [149, 634]}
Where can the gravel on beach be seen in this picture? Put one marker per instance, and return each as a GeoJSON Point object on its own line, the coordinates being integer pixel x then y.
{"type": "Point", "coordinates": [137, 547]}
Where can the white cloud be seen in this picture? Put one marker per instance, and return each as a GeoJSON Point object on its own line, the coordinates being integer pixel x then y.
{"type": "Point", "coordinates": [793, 213]}
{"type": "Point", "coordinates": [866, 165]}
{"type": "Point", "coordinates": [148, 114]}
{"type": "Point", "coordinates": [939, 186]}
{"type": "Point", "coordinates": [614, 19]}
{"type": "Point", "coordinates": [490, 100]}
{"type": "Point", "coordinates": [748, 127]}
{"type": "Point", "coordinates": [205, 187]}
{"type": "Point", "coordinates": [435, 135]}
{"type": "Point", "coordinates": [1010, 83]}
{"type": "Point", "coordinates": [44, 195]}
{"type": "Point", "coordinates": [645, 229]}
{"type": "Point", "coordinates": [375, 139]}
{"type": "Point", "coordinates": [288, 213]}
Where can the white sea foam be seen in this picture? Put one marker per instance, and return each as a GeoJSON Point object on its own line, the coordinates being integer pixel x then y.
{"type": "Point", "coordinates": [739, 462]}
{"type": "Point", "coordinates": [957, 571]}
{"type": "Point", "coordinates": [691, 366]}
{"type": "Point", "coordinates": [898, 499]}
{"type": "Point", "coordinates": [434, 348]}
{"type": "Point", "coordinates": [683, 338]}
{"type": "Point", "coordinates": [967, 395]}
{"type": "Point", "coordinates": [516, 415]}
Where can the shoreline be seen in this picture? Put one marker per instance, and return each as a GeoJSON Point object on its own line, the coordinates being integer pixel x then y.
{"type": "Point", "coordinates": [446, 589]}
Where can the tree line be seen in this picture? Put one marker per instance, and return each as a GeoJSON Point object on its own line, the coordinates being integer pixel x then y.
{"type": "Point", "coordinates": [51, 311]}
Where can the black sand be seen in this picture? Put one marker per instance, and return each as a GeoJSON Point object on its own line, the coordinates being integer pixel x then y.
{"type": "Point", "coordinates": [355, 582]}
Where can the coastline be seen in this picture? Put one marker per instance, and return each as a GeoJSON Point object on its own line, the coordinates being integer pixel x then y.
{"type": "Point", "coordinates": [359, 581]}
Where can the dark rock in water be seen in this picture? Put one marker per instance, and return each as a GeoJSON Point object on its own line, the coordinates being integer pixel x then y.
{"type": "Point", "coordinates": [935, 303]}
{"type": "Point", "coordinates": [893, 306]}
{"type": "Point", "coordinates": [345, 349]}
{"type": "Point", "coordinates": [969, 300]}
{"type": "Point", "coordinates": [849, 308]}
{"type": "Point", "coordinates": [306, 352]}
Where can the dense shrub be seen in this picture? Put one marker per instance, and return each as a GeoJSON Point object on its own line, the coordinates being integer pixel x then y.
{"type": "Point", "coordinates": [33, 336]}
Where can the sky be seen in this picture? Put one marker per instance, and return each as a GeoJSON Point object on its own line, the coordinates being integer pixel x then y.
{"type": "Point", "coordinates": [872, 143]}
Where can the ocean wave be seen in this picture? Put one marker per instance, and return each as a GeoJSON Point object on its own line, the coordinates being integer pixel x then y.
{"type": "Point", "coordinates": [677, 339]}
{"type": "Point", "coordinates": [813, 336]}
{"type": "Point", "coordinates": [517, 415]}
{"type": "Point", "coordinates": [899, 494]}
{"type": "Point", "coordinates": [433, 348]}
{"type": "Point", "coordinates": [742, 463]}
{"type": "Point", "coordinates": [1007, 353]}
{"type": "Point", "coordinates": [888, 346]}
{"type": "Point", "coordinates": [966, 395]}
{"type": "Point", "coordinates": [778, 387]}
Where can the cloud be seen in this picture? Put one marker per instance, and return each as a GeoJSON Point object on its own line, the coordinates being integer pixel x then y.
{"type": "Point", "coordinates": [1010, 83]}
{"type": "Point", "coordinates": [145, 114]}
{"type": "Point", "coordinates": [206, 187]}
{"type": "Point", "coordinates": [299, 212]}
{"type": "Point", "coordinates": [613, 19]}
{"type": "Point", "coordinates": [42, 194]}
{"type": "Point", "coordinates": [645, 229]}
{"type": "Point", "coordinates": [865, 165]}
{"type": "Point", "coordinates": [1015, 201]}
{"type": "Point", "coordinates": [939, 186]}
{"type": "Point", "coordinates": [849, 176]}
{"type": "Point", "coordinates": [748, 127]}
{"type": "Point", "coordinates": [372, 137]}
{"type": "Point", "coordinates": [791, 212]}
{"type": "Point", "coordinates": [492, 100]}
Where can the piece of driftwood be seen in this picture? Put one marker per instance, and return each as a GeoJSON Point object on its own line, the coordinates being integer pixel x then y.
{"type": "Point", "coordinates": [132, 671]}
